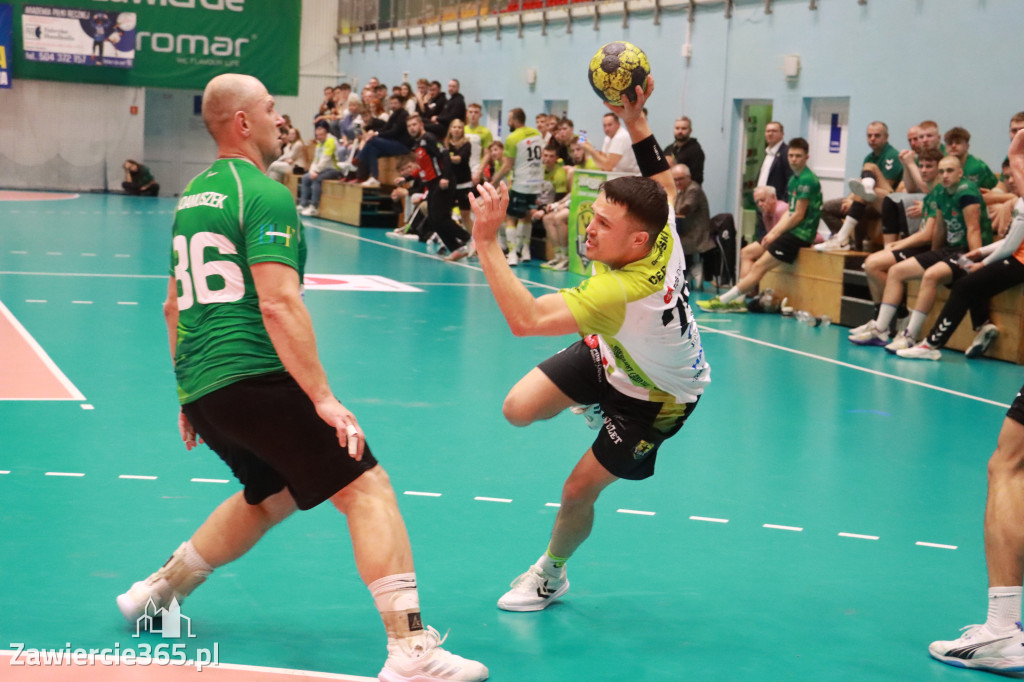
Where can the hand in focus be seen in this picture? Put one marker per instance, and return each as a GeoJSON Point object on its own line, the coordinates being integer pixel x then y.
{"type": "Point", "coordinates": [350, 436]}
{"type": "Point", "coordinates": [489, 206]}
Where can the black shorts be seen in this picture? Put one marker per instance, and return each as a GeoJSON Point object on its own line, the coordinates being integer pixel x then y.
{"type": "Point", "coordinates": [948, 255]}
{"type": "Point", "coordinates": [787, 247]}
{"type": "Point", "coordinates": [268, 432]}
{"type": "Point", "coordinates": [627, 444]}
{"type": "Point", "coordinates": [1016, 411]}
{"type": "Point", "coordinates": [519, 205]}
{"type": "Point", "coordinates": [462, 197]}
{"type": "Point", "coordinates": [906, 254]}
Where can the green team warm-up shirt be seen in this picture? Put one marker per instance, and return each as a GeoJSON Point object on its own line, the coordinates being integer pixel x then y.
{"type": "Point", "coordinates": [806, 186]}
{"type": "Point", "coordinates": [951, 205]}
{"type": "Point", "coordinates": [229, 217]}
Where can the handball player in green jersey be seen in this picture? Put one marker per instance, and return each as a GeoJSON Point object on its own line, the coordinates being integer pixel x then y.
{"type": "Point", "coordinates": [252, 387]}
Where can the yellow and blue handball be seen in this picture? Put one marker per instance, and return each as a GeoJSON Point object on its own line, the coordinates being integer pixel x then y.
{"type": "Point", "coordinates": [616, 70]}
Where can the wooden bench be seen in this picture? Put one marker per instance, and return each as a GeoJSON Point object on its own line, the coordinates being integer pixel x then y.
{"type": "Point", "coordinates": [819, 282]}
{"type": "Point", "coordinates": [814, 283]}
{"type": "Point", "coordinates": [341, 201]}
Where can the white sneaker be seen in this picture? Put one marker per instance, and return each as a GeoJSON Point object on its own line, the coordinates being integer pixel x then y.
{"type": "Point", "coordinates": [562, 265]}
{"type": "Point", "coordinates": [158, 589]}
{"type": "Point", "coordinates": [372, 183]}
{"type": "Point", "coordinates": [863, 328]}
{"type": "Point", "coordinates": [533, 591]}
{"type": "Point", "coordinates": [433, 244]}
{"type": "Point", "coordinates": [858, 188]}
{"type": "Point", "coordinates": [312, 212]}
{"type": "Point", "coordinates": [982, 340]}
{"type": "Point", "coordinates": [458, 254]}
{"type": "Point", "coordinates": [513, 257]}
{"type": "Point", "coordinates": [306, 210]}
{"type": "Point", "coordinates": [872, 336]}
{"type": "Point", "coordinates": [524, 254]}
{"type": "Point", "coordinates": [981, 649]}
{"type": "Point", "coordinates": [921, 351]}
{"type": "Point", "coordinates": [591, 413]}
{"type": "Point", "coordinates": [833, 244]}
{"type": "Point", "coordinates": [903, 341]}
{"type": "Point", "coordinates": [421, 659]}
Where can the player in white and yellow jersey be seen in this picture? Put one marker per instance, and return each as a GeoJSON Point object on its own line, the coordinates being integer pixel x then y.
{"type": "Point", "coordinates": [640, 360]}
{"type": "Point", "coordinates": [522, 158]}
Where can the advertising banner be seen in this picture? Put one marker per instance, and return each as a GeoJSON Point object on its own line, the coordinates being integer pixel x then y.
{"type": "Point", "coordinates": [6, 44]}
{"type": "Point", "coordinates": [158, 43]}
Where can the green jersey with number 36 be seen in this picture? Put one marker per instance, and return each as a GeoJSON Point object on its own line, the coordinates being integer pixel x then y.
{"type": "Point", "coordinates": [230, 217]}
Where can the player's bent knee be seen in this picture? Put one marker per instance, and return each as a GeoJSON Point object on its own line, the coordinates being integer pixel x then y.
{"type": "Point", "coordinates": [517, 411]}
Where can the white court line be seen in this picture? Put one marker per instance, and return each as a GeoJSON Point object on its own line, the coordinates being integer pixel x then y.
{"type": "Point", "coordinates": [87, 406]}
{"type": "Point", "coordinates": [87, 255]}
{"type": "Point", "coordinates": [5, 472]}
{"type": "Point", "coordinates": [793, 528]}
{"type": "Point", "coordinates": [210, 480]}
{"type": "Point", "coordinates": [83, 302]}
{"type": "Point", "coordinates": [138, 478]}
{"type": "Point", "coordinates": [122, 255]}
{"type": "Point", "coordinates": [421, 494]}
{"type": "Point", "coordinates": [64, 473]}
{"type": "Point", "coordinates": [80, 274]}
{"type": "Point", "coordinates": [20, 253]}
{"type": "Point", "coordinates": [708, 518]}
{"type": "Point", "coordinates": [933, 544]}
{"type": "Point", "coordinates": [35, 300]}
{"type": "Point", "coordinates": [856, 367]}
{"type": "Point", "coordinates": [552, 504]}
{"type": "Point", "coordinates": [635, 511]}
{"type": "Point", "coordinates": [492, 499]}
{"type": "Point", "coordinates": [858, 536]}
{"type": "Point", "coordinates": [308, 674]}
{"type": "Point", "coordinates": [127, 302]}
{"type": "Point", "coordinates": [41, 354]}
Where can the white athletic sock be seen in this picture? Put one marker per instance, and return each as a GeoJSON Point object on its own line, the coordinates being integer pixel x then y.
{"type": "Point", "coordinates": [185, 570]}
{"type": "Point", "coordinates": [552, 565]}
{"type": "Point", "coordinates": [916, 322]}
{"type": "Point", "coordinates": [511, 237]}
{"type": "Point", "coordinates": [1003, 608]}
{"type": "Point", "coordinates": [886, 312]}
{"type": "Point", "coordinates": [730, 295]}
{"type": "Point", "coordinates": [525, 232]}
{"type": "Point", "coordinates": [869, 184]}
{"type": "Point", "coordinates": [843, 235]}
{"type": "Point", "coordinates": [398, 602]}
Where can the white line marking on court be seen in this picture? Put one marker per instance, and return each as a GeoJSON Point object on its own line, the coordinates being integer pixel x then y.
{"type": "Point", "coordinates": [88, 255]}
{"type": "Point", "coordinates": [460, 264]}
{"type": "Point", "coordinates": [80, 274]}
{"type": "Point", "coordinates": [5, 472]}
{"type": "Point", "coordinates": [635, 511]}
{"type": "Point", "coordinates": [87, 406]}
{"type": "Point", "coordinates": [492, 499]}
{"type": "Point", "coordinates": [708, 518]}
{"type": "Point", "coordinates": [83, 302]}
{"type": "Point", "coordinates": [122, 255]}
{"type": "Point", "coordinates": [932, 544]}
{"type": "Point", "coordinates": [35, 300]}
{"type": "Point", "coordinates": [54, 253]}
{"type": "Point", "coordinates": [421, 494]}
{"type": "Point", "coordinates": [856, 367]}
{"type": "Point", "coordinates": [138, 478]}
{"type": "Point", "coordinates": [858, 536]}
{"type": "Point", "coordinates": [793, 528]}
{"type": "Point", "coordinates": [552, 504]}
{"type": "Point", "coordinates": [64, 473]}
{"type": "Point", "coordinates": [210, 480]}
{"type": "Point", "coordinates": [20, 253]}
{"type": "Point", "coordinates": [41, 354]}
{"type": "Point", "coordinates": [127, 302]}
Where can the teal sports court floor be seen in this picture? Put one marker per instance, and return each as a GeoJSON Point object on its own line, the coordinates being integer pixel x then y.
{"type": "Point", "coordinates": [780, 539]}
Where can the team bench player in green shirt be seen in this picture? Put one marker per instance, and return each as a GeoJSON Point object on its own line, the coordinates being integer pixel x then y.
{"type": "Point", "coordinates": [783, 242]}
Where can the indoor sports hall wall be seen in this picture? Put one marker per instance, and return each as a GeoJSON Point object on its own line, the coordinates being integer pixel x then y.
{"type": "Point", "coordinates": [900, 61]}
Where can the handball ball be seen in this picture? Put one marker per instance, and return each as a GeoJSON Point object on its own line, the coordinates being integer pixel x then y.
{"type": "Point", "coordinates": [616, 70]}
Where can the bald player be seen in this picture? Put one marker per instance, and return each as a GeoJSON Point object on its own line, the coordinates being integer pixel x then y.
{"type": "Point", "coordinates": [251, 387]}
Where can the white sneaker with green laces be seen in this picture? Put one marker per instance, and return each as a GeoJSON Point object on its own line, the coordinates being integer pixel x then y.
{"type": "Point", "coordinates": [533, 591]}
{"type": "Point", "coordinates": [981, 649]}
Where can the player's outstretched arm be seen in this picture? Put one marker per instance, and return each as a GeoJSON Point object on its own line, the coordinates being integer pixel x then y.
{"type": "Point", "coordinates": [548, 315]}
{"type": "Point", "coordinates": [291, 331]}
{"type": "Point", "coordinates": [632, 116]}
